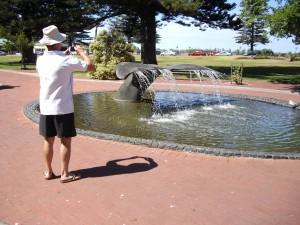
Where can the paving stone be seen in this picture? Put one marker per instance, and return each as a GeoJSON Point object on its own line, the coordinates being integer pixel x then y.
{"type": "Point", "coordinates": [266, 190]}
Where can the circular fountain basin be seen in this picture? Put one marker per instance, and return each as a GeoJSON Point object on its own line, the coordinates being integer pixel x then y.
{"type": "Point", "coordinates": [228, 126]}
{"type": "Point", "coordinates": [193, 121]}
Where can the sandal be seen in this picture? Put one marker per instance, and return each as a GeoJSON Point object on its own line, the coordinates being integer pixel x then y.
{"type": "Point", "coordinates": [70, 178]}
{"type": "Point", "coordinates": [49, 176]}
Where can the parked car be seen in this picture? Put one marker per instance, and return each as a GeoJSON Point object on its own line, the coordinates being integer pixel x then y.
{"type": "Point", "coordinates": [202, 53]}
{"type": "Point", "coordinates": [197, 53]}
{"type": "Point", "coordinates": [224, 53]}
{"type": "Point", "coordinates": [3, 53]}
{"type": "Point", "coordinates": [168, 53]}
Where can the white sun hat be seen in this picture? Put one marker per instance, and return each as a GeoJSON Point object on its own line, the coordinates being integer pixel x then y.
{"type": "Point", "coordinates": [52, 36]}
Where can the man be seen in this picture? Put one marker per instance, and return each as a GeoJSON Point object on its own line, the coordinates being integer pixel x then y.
{"type": "Point", "coordinates": [55, 68]}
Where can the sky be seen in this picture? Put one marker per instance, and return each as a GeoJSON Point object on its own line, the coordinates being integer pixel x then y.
{"type": "Point", "coordinates": [175, 36]}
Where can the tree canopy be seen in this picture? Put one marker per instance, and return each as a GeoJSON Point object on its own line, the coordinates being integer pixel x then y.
{"type": "Point", "coordinates": [29, 17]}
{"type": "Point", "coordinates": [285, 20]}
{"type": "Point", "coordinates": [74, 16]}
{"type": "Point", "coordinates": [200, 13]}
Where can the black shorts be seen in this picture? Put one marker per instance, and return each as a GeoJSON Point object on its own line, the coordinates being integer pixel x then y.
{"type": "Point", "coordinates": [57, 125]}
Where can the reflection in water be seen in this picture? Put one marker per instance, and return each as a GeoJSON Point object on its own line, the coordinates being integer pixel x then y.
{"type": "Point", "coordinates": [197, 119]}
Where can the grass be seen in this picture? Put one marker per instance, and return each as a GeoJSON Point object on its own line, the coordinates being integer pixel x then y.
{"type": "Point", "coordinates": [273, 70]}
{"type": "Point", "coordinates": [13, 62]}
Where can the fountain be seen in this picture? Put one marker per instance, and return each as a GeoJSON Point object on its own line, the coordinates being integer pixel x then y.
{"type": "Point", "coordinates": [138, 77]}
{"type": "Point", "coordinates": [229, 125]}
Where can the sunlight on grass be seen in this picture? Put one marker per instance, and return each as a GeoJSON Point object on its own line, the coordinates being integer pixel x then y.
{"type": "Point", "coordinates": [13, 62]}
{"type": "Point", "coordinates": [274, 70]}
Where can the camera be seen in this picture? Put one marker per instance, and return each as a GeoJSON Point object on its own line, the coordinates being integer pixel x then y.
{"type": "Point", "coordinates": [72, 49]}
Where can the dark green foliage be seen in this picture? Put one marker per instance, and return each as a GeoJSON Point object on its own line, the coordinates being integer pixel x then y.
{"type": "Point", "coordinates": [31, 16]}
{"type": "Point", "coordinates": [23, 45]}
{"type": "Point", "coordinates": [201, 13]}
{"type": "Point", "coordinates": [237, 74]}
{"type": "Point", "coordinates": [74, 16]}
{"type": "Point", "coordinates": [285, 20]}
{"type": "Point", "coordinates": [130, 26]}
{"type": "Point", "coordinates": [266, 52]}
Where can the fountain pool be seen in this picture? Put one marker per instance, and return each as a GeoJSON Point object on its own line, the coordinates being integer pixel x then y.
{"type": "Point", "coordinates": [194, 121]}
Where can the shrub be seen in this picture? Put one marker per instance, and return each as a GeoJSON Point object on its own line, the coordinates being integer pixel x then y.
{"type": "Point", "coordinates": [266, 52]}
{"type": "Point", "coordinates": [237, 74]}
{"type": "Point", "coordinates": [109, 49]}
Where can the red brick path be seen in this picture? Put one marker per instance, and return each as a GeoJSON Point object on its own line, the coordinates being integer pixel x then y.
{"type": "Point", "coordinates": [184, 188]}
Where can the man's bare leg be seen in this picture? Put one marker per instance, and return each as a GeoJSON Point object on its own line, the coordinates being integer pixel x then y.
{"type": "Point", "coordinates": [48, 155]}
{"type": "Point", "coordinates": [65, 155]}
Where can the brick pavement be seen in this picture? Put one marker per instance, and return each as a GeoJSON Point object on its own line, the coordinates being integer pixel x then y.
{"type": "Point", "coordinates": [180, 188]}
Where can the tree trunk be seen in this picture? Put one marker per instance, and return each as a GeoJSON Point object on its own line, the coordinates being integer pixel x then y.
{"type": "Point", "coordinates": [148, 51]}
{"type": "Point", "coordinates": [252, 39]}
{"type": "Point", "coordinates": [251, 48]}
{"type": "Point", "coordinates": [28, 56]}
{"type": "Point", "coordinates": [23, 61]}
{"type": "Point", "coordinates": [142, 52]}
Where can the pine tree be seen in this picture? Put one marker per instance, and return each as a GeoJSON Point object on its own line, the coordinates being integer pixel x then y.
{"type": "Point", "coordinates": [253, 16]}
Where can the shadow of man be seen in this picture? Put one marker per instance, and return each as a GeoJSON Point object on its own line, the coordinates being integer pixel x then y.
{"type": "Point", "coordinates": [5, 86]}
{"type": "Point", "coordinates": [114, 168]}
{"type": "Point", "coordinates": [296, 89]}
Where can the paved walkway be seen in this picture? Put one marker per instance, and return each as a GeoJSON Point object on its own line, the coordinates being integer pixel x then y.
{"type": "Point", "coordinates": [163, 188]}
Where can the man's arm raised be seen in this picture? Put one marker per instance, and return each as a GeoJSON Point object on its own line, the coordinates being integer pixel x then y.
{"type": "Point", "coordinates": [85, 57]}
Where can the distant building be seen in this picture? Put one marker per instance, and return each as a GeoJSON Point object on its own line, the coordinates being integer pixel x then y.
{"type": "Point", "coordinates": [39, 49]}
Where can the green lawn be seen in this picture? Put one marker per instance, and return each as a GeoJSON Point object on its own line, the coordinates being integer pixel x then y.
{"type": "Point", "coordinates": [13, 62]}
{"type": "Point", "coordinates": [274, 70]}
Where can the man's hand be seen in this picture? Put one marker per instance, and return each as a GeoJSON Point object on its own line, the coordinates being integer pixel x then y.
{"type": "Point", "coordinates": [79, 49]}
{"type": "Point", "coordinates": [67, 51]}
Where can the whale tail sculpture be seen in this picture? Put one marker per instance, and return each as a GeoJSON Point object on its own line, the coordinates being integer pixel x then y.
{"type": "Point", "coordinates": [138, 77]}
